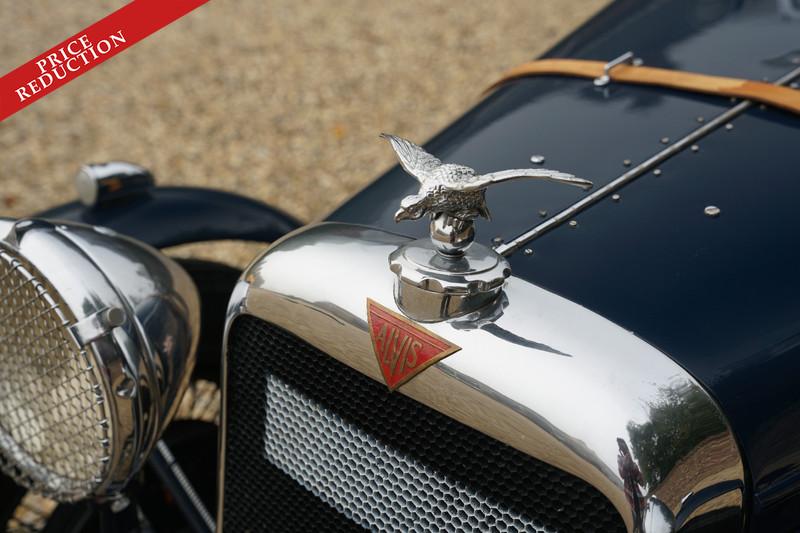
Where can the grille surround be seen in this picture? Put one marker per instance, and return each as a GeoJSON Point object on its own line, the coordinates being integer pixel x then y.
{"type": "Point", "coordinates": [59, 445]}
{"type": "Point", "coordinates": [549, 498]}
{"type": "Point", "coordinates": [516, 376]}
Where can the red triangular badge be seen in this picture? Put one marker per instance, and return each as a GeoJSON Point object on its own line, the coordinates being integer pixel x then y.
{"type": "Point", "coordinates": [402, 347]}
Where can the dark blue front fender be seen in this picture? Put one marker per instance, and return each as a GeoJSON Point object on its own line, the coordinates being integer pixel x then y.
{"type": "Point", "coordinates": [168, 216]}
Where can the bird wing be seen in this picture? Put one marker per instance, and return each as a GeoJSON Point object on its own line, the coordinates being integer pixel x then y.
{"type": "Point", "coordinates": [413, 158]}
{"type": "Point", "coordinates": [484, 180]}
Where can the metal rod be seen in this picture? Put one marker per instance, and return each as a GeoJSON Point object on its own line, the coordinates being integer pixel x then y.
{"type": "Point", "coordinates": [172, 476]}
{"type": "Point", "coordinates": [681, 144]}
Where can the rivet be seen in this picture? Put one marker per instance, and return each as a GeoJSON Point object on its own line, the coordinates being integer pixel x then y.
{"type": "Point", "coordinates": [664, 140]}
{"type": "Point", "coordinates": [627, 162]}
{"type": "Point", "coordinates": [729, 126]}
{"type": "Point", "coordinates": [615, 197]}
{"type": "Point", "coordinates": [497, 240]}
{"type": "Point", "coordinates": [537, 159]}
{"type": "Point", "coordinates": [113, 317]}
{"type": "Point", "coordinates": [528, 251]}
{"type": "Point", "coordinates": [701, 119]}
{"type": "Point", "coordinates": [733, 99]}
{"type": "Point", "coordinates": [712, 211]}
{"type": "Point", "coordinates": [762, 107]}
{"type": "Point", "coordinates": [542, 213]}
{"type": "Point", "coordinates": [695, 148]}
{"type": "Point", "coordinates": [657, 172]}
{"type": "Point", "coordinates": [794, 85]}
{"type": "Point", "coordinates": [573, 223]}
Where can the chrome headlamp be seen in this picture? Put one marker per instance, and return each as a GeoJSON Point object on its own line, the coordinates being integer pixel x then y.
{"type": "Point", "coordinates": [97, 340]}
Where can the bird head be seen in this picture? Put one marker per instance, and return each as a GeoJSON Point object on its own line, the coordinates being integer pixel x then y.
{"type": "Point", "coordinates": [411, 208]}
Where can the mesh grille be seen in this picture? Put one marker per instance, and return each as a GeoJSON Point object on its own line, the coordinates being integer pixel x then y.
{"type": "Point", "coordinates": [51, 436]}
{"type": "Point", "coordinates": [313, 445]}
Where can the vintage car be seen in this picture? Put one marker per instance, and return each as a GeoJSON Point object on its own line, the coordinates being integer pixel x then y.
{"type": "Point", "coordinates": [614, 346]}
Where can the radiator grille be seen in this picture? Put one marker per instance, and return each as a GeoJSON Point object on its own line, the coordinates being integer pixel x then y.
{"type": "Point", "coordinates": [313, 445]}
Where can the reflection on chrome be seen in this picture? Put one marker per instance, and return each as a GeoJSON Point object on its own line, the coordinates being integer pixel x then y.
{"type": "Point", "coordinates": [538, 372]}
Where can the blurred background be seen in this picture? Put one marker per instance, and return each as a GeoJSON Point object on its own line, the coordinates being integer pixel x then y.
{"type": "Point", "coordinates": [282, 101]}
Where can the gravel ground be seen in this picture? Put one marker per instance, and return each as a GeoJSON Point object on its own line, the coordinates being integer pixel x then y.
{"type": "Point", "coordinates": [278, 100]}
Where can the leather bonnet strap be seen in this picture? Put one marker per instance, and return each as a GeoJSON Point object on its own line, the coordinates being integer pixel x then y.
{"type": "Point", "coordinates": [766, 93]}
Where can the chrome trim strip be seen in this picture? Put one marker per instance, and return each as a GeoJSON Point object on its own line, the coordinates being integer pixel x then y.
{"type": "Point", "coordinates": [236, 307]}
{"type": "Point", "coordinates": [587, 201]}
{"type": "Point", "coordinates": [539, 373]}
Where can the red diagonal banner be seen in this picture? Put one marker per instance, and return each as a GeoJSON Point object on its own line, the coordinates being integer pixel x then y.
{"type": "Point", "coordinates": [87, 49]}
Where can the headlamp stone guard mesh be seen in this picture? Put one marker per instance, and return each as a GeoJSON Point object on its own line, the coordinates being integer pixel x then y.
{"type": "Point", "coordinates": [276, 482]}
{"type": "Point", "coordinates": [54, 430]}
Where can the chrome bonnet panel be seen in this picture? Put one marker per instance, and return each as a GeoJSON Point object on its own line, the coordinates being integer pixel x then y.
{"type": "Point", "coordinates": [546, 376]}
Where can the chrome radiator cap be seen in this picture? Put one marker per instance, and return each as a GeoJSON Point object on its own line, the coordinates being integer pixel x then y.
{"type": "Point", "coordinates": [539, 373]}
{"type": "Point", "coordinates": [97, 343]}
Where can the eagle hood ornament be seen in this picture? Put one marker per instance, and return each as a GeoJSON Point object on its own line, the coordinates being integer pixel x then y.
{"type": "Point", "coordinates": [450, 275]}
{"type": "Point", "coordinates": [456, 190]}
